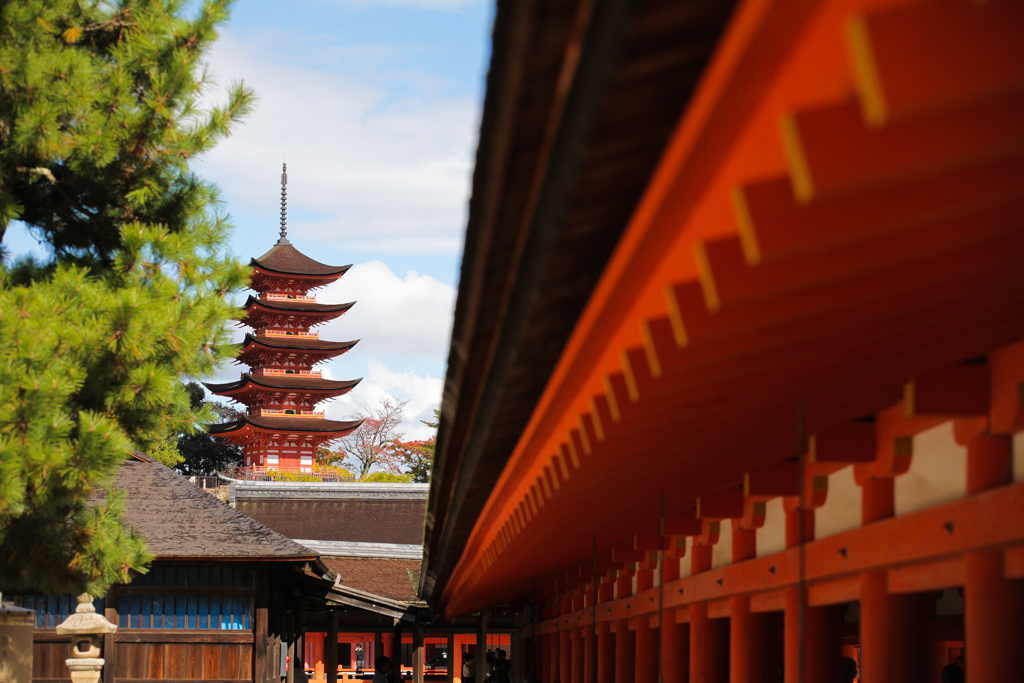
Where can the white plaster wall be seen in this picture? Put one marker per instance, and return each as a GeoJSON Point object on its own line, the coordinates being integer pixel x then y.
{"type": "Point", "coordinates": [686, 559]}
{"type": "Point", "coordinates": [842, 507]}
{"type": "Point", "coordinates": [721, 552]}
{"type": "Point", "coordinates": [938, 471]}
{"type": "Point", "coordinates": [771, 538]}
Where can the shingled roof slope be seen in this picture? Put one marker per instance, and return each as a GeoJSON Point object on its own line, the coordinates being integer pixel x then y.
{"type": "Point", "coordinates": [392, 579]}
{"type": "Point", "coordinates": [284, 258]}
{"type": "Point", "coordinates": [179, 520]}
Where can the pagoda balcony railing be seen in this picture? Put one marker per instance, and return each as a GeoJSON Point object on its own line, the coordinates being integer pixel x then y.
{"type": "Point", "coordinates": [299, 335]}
{"type": "Point", "coordinates": [288, 297]}
{"type": "Point", "coordinates": [265, 412]}
{"type": "Point", "coordinates": [269, 371]}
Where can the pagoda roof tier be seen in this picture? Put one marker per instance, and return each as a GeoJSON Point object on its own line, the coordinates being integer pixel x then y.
{"type": "Point", "coordinates": [277, 350]}
{"type": "Point", "coordinates": [297, 343]}
{"type": "Point", "coordinates": [266, 312]}
{"type": "Point", "coordinates": [287, 260]}
{"type": "Point", "coordinates": [253, 384]}
{"type": "Point", "coordinates": [296, 306]}
{"type": "Point", "coordinates": [251, 425]}
{"type": "Point", "coordinates": [285, 267]}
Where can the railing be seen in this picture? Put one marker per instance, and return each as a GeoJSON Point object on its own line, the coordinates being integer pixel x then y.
{"type": "Point", "coordinates": [269, 371]}
{"type": "Point", "coordinates": [295, 413]}
{"type": "Point", "coordinates": [301, 335]}
{"type": "Point", "coordinates": [288, 297]}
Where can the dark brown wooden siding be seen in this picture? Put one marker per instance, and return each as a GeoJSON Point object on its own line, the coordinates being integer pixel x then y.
{"type": "Point", "coordinates": [49, 651]}
{"type": "Point", "coordinates": [195, 660]}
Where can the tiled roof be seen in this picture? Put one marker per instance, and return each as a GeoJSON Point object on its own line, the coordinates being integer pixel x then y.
{"type": "Point", "coordinates": [284, 258]}
{"type": "Point", "coordinates": [180, 520]}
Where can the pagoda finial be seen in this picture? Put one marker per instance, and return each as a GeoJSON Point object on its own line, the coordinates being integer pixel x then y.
{"type": "Point", "coordinates": [284, 205]}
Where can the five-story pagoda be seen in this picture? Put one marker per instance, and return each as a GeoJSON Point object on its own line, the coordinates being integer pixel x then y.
{"type": "Point", "coordinates": [281, 428]}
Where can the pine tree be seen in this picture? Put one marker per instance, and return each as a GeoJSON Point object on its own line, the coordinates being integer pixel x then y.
{"type": "Point", "coordinates": [99, 121]}
{"type": "Point", "coordinates": [200, 452]}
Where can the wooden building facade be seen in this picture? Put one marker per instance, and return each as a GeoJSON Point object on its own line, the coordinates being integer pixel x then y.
{"type": "Point", "coordinates": [216, 605]}
{"type": "Point", "coordinates": [736, 387]}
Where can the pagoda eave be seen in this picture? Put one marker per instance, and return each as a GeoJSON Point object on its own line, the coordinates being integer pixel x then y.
{"type": "Point", "coordinates": [251, 425]}
{"type": "Point", "coordinates": [296, 343]}
{"type": "Point", "coordinates": [292, 383]}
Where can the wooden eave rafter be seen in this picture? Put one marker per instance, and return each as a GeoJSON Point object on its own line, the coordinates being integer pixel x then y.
{"type": "Point", "coordinates": [773, 268]}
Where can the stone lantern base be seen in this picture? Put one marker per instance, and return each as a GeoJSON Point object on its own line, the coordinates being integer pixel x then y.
{"type": "Point", "coordinates": [85, 670]}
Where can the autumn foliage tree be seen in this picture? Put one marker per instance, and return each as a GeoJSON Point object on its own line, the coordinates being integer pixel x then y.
{"type": "Point", "coordinates": [419, 455]}
{"type": "Point", "coordinates": [373, 443]}
{"type": "Point", "coordinates": [99, 121]}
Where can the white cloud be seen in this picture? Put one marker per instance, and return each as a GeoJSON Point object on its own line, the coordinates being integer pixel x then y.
{"type": "Point", "coordinates": [407, 316]}
{"type": "Point", "coordinates": [422, 392]}
{"type": "Point", "coordinates": [378, 158]}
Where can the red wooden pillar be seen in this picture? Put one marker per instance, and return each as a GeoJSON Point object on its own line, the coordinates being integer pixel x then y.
{"type": "Point", "coordinates": [646, 651]}
{"type": "Point", "coordinates": [589, 643]}
{"type": "Point", "coordinates": [746, 642]}
{"type": "Point", "coordinates": [625, 653]}
{"type": "Point", "coordinates": [578, 636]}
{"type": "Point", "coordinates": [989, 463]}
{"type": "Point", "coordinates": [877, 499]}
{"type": "Point", "coordinates": [675, 650]}
{"type": "Point", "coordinates": [822, 644]}
{"type": "Point", "coordinates": [565, 657]}
{"type": "Point", "coordinates": [709, 657]}
{"type": "Point", "coordinates": [547, 653]}
{"type": "Point", "coordinates": [893, 632]}
{"type": "Point", "coordinates": [746, 630]}
{"type": "Point", "coordinates": [605, 653]}
{"type": "Point", "coordinates": [623, 586]}
{"type": "Point", "coordinates": [993, 622]}
{"type": "Point", "coordinates": [993, 619]}
{"type": "Point", "coordinates": [794, 517]}
{"type": "Point", "coordinates": [644, 580]}
{"type": "Point", "coordinates": [700, 644]}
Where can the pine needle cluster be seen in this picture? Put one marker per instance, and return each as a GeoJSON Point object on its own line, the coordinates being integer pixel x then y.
{"type": "Point", "coordinates": [99, 119]}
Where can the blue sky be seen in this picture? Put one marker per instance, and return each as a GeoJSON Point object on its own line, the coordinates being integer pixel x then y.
{"type": "Point", "coordinates": [375, 105]}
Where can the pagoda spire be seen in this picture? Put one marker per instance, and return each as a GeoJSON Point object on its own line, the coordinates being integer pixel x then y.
{"type": "Point", "coordinates": [284, 205]}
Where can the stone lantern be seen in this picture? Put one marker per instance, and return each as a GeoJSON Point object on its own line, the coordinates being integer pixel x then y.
{"type": "Point", "coordinates": [86, 629]}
